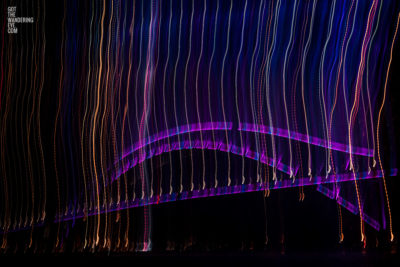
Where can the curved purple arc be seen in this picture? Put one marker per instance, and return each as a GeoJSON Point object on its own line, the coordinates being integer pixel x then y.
{"type": "Point", "coordinates": [194, 127]}
{"type": "Point", "coordinates": [257, 128]}
{"type": "Point", "coordinates": [198, 144]}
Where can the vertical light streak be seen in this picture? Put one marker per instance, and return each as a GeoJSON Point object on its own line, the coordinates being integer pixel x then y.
{"type": "Point", "coordinates": [106, 97]}
{"type": "Point", "coordinates": [305, 53]}
{"type": "Point", "coordinates": [174, 94]}
{"type": "Point", "coordinates": [19, 172]}
{"type": "Point", "coordinates": [289, 46]}
{"type": "Point", "coordinates": [56, 125]}
{"type": "Point", "coordinates": [137, 90]}
{"type": "Point", "coordinates": [222, 91]}
{"type": "Point", "coordinates": [84, 137]}
{"type": "Point", "coordinates": [154, 103]}
{"type": "Point", "coordinates": [252, 87]}
{"type": "Point", "coordinates": [294, 87]}
{"type": "Point", "coordinates": [114, 88]}
{"type": "Point", "coordinates": [143, 124]}
{"type": "Point", "coordinates": [209, 93]}
{"type": "Point", "coordinates": [365, 120]}
{"type": "Point", "coordinates": [31, 96]}
{"type": "Point", "coordinates": [268, 87]}
{"type": "Point", "coordinates": [360, 73]}
{"type": "Point", "coordinates": [236, 86]}
{"type": "Point", "coordinates": [259, 90]}
{"type": "Point", "coordinates": [95, 122]}
{"type": "Point", "coordinates": [121, 54]}
{"type": "Point", "coordinates": [114, 83]}
{"type": "Point", "coordinates": [29, 121]}
{"type": "Point", "coordinates": [197, 93]}
{"type": "Point", "coordinates": [124, 117]}
{"type": "Point", "coordinates": [344, 74]}
{"type": "Point", "coordinates": [322, 88]}
{"type": "Point", "coordinates": [367, 83]}
{"type": "Point", "coordinates": [164, 104]}
{"type": "Point", "coordinates": [27, 176]}
{"type": "Point", "coordinates": [44, 190]}
{"type": "Point", "coordinates": [341, 236]}
{"type": "Point", "coordinates": [184, 97]}
{"type": "Point", "coordinates": [378, 126]}
{"type": "Point", "coordinates": [354, 108]}
{"type": "Point", "coordinates": [339, 68]}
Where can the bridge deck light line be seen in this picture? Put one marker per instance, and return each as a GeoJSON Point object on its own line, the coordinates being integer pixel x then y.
{"type": "Point", "coordinates": [236, 189]}
{"type": "Point", "coordinates": [229, 190]}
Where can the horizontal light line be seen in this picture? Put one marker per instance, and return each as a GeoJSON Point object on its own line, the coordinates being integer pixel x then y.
{"type": "Point", "coordinates": [235, 189]}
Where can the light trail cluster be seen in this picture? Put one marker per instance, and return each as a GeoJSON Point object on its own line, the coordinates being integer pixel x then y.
{"type": "Point", "coordinates": [157, 101]}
